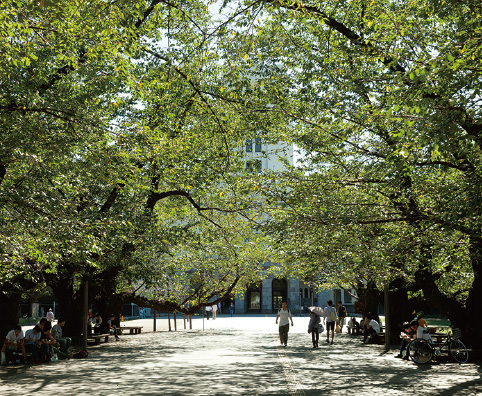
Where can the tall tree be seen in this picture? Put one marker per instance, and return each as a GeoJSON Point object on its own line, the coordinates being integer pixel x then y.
{"type": "Point", "coordinates": [382, 97]}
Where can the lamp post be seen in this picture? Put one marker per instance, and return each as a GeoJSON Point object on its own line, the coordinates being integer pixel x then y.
{"type": "Point", "coordinates": [300, 301]}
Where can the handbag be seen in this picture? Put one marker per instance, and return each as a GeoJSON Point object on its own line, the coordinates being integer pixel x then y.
{"type": "Point", "coordinates": [321, 329]}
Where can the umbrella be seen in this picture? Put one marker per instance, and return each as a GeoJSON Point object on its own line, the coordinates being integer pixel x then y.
{"type": "Point", "coordinates": [317, 310]}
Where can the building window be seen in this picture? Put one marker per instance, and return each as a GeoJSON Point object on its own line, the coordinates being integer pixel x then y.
{"type": "Point", "coordinates": [249, 145]}
{"type": "Point", "coordinates": [253, 166]}
{"type": "Point", "coordinates": [347, 298]}
{"type": "Point", "coordinates": [257, 145]}
{"type": "Point", "coordinates": [255, 300]}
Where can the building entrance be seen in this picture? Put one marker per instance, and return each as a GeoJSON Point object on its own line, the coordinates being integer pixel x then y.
{"type": "Point", "coordinates": [279, 293]}
{"type": "Point", "coordinates": [254, 297]}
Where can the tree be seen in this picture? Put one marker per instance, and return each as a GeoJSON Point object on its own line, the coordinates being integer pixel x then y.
{"type": "Point", "coordinates": [382, 97]}
{"type": "Point", "coordinates": [108, 112]}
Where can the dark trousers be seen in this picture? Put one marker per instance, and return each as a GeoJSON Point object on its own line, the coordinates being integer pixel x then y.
{"type": "Point", "coordinates": [403, 345]}
{"type": "Point", "coordinates": [65, 343]}
{"type": "Point", "coordinates": [47, 351]}
{"type": "Point", "coordinates": [370, 333]}
{"type": "Point", "coordinates": [32, 348]}
{"type": "Point", "coordinates": [283, 332]}
{"type": "Point", "coordinates": [315, 336]}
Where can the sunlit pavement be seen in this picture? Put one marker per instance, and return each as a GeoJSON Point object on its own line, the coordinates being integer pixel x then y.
{"type": "Point", "coordinates": [238, 356]}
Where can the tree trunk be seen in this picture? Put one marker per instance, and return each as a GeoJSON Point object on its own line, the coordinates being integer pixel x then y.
{"type": "Point", "coordinates": [70, 308]}
{"type": "Point", "coordinates": [471, 321]}
{"type": "Point", "coordinates": [369, 298]}
{"type": "Point", "coordinates": [10, 308]}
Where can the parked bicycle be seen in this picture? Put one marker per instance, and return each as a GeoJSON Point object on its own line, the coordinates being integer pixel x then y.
{"type": "Point", "coordinates": [423, 351]}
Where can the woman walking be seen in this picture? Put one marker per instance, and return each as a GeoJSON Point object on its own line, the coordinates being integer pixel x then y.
{"type": "Point", "coordinates": [313, 328]}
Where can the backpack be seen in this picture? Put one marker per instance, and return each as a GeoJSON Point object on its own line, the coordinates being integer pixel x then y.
{"type": "Point", "coordinates": [81, 355]}
{"type": "Point", "coordinates": [343, 311]}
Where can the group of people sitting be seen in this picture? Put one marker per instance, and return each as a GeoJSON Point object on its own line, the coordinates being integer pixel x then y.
{"type": "Point", "coordinates": [368, 327]}
{"type": "Point", "coordinates": [417, 328]}
{"type": "Point", "coordinates": [111, 325]}
{"type": "Point", "coordinates": [43, 341]}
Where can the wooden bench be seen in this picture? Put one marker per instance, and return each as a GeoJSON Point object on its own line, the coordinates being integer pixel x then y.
{"type": "Point", "coordinates": [98, 337]}
{"type": "Point", "coordinates": [132, 329]}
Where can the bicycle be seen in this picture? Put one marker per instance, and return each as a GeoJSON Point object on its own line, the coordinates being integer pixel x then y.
{"type": "Point", "coordinates": [422, 351]}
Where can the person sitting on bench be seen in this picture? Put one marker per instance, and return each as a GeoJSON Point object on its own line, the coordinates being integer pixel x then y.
{"type": "Point", "coordinates": [353, 326]}
{"type": "Point", "coordinates": [13, 342]}
{"type": "Point", "coordinates": [406, 335]}
{"type": "Point", "coordinates": [110, 327]}
{"type": "Point", "coordinates": [32, 342]}
{"type": "Point", "coordinates": [47, 342]}
{"type": "Point", "coordinates": [370, 335]}
{"type": "Point", "coordinates": [64, 342]}
{"type": "Point", "coordinates": [420, 331]}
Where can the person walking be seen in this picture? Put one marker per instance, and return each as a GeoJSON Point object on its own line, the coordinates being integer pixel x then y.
{"type": "Point", "coordinates": [341, 312]}
{"type": "Point", "coordinates": [330, 320]}
{"type": "Point", "coordinates": [284, 317]}
{"type": "Point", "coordinates": [50, 315]}
{"type": "Point", "coordinates": [214, 309]}
{"type": "Point", "coordinates": [313, 328]}
{"type": "Point", "coordinates": [231, 309]}
{"type": "Point", "coordinates": [208, 309]}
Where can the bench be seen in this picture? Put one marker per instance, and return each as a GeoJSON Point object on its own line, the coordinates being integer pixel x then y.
{"type": "Point", "coordinates": [132, 329]}
{"type": "Point", "coordinates": [98, 337]}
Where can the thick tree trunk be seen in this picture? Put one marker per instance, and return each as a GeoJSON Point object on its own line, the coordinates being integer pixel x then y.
{"type": "Point", "coordinates": [472, 318]}
{"type": "Point", "coordinates": [400, 309]}
{"type": "Point", "coordinates": [369, 298]}
{"type": "Point", "coordinates": [70, 307]}
{"type": "Point", "coordinates": [10, 311]}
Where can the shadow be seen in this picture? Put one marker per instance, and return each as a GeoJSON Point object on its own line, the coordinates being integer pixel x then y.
{"type": "Point", "coordinates": [230, 362]}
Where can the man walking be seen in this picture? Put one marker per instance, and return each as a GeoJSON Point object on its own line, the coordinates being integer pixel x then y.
{"type": "Point", "coordinates": [330, 320]}
{"type": "Point", "coordinates": [284, 316]}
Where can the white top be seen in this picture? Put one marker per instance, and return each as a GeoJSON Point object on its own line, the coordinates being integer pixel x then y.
{"type": "Point", "coordinates": [421, 334]}
{"type": "Point", "coordinates": [284, 317]}
{"type": "Point", "coordinates": [50, 316]}
{"type": "Point", "coordinates": [214, 307]}
{"type": "Point", "coordinates": [208, 308]}
{"type": "Point", "coordinates": [11, 337]}
{"type": "Point", "coordinates": [328, 310]}
{"type": "Point", "coordinates": [374, 325]}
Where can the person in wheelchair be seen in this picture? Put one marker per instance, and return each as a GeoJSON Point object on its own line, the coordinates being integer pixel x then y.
{"type": "Point", "coordinates": [421, 332]}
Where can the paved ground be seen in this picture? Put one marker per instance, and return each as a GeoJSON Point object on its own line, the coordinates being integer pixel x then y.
{"type": "Point", "coordinates": [238, 356]}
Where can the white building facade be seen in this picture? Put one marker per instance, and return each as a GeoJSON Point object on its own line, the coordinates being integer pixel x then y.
{"type": "Point", "coordinates": [266, 296]}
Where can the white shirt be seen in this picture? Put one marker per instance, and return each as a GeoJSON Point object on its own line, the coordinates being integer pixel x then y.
{"type": "Point", "coordinates": [284, 317]}
{"type": "Point", "coordinates": [214, 308]}
{"type": "Point", "coordinates": [50, 316]}
{"type": "Point", "coordinates": [328, 310]}
{"type": "Point", "coordinates": [421, 334]}
{"type": "Point", "coordinates": [11, 337]}
{"type": "Point", "coordinates": [208, 308]}
{"type": "Point", "coordinates": [374, 325]}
